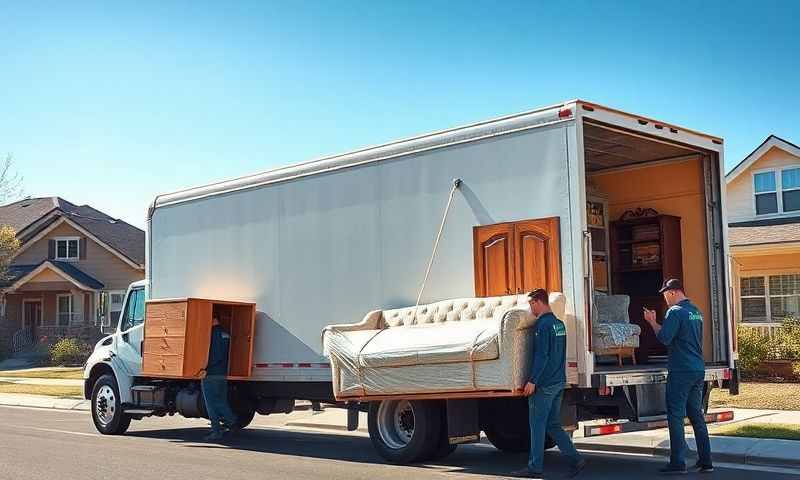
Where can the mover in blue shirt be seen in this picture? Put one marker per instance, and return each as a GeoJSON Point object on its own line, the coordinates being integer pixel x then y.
{"type": "Point", "coordinates": [545, 388]}
{"type": "Point", "coordinates": [214, 383]}
{"type": "Point", "coordinates": [682, 333]}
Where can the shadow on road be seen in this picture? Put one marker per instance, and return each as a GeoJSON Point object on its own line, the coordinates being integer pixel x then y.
{"type": "Point", "coordinates": [481, 460]}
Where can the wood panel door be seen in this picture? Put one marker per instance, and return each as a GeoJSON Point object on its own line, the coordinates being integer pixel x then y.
{"type": "Point", "coordinates": [494, 259]}
{"type": "Point", "coordinates": [538, 260]}
{"type": "Point", "coordinates": [516, 257]}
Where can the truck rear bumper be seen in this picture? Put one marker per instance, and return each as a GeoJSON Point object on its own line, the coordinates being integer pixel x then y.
{"type": "Point", "coordinates": [645, 376]}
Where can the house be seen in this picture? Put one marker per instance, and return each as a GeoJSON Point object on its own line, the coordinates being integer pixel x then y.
{"type": "Point", "coordinates": [69, 276]}
{"type": "Point", "coordinates": [763, 193]}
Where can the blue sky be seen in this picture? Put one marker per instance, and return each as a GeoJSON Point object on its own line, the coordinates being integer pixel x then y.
{"type": "Point", "coordinates": [109, 104]}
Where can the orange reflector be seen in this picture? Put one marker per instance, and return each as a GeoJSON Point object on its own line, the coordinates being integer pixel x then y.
{"type": "Point", "coordinates": [604, 391]}
{"type": "Point", "coordinates": [564, 113]}
{"type": "Point", "coordinates": [727, 374]}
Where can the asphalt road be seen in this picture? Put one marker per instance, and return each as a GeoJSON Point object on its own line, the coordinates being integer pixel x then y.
{"type": "Point", "coordinates": [49, 444]}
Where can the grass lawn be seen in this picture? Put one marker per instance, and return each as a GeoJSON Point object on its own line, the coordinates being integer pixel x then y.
{"type": "Point", "coordinates": [52, 390]}
{"type": "Point", "coordinates": [68, 373]}
{"type": "Point", "coordinates": [769, 396]}
{"type": "Point", "coordinates": [782, 431]}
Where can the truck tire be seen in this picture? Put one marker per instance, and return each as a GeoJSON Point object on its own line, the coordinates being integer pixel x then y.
{"type": "Point", "coordinates": [513, 440]}
{"type": "Point", "coordinates": [107, 414]}
{"type": "Point", "coordinates": [443, 448]}
{"type": "Point", "coordinates": [405, 431]}
{"type": "Point", "coordinates": [242, 406]}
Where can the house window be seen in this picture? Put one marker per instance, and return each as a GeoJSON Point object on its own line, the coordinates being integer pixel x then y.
{"type": "Point", "coordinates": [790, 189]}
{"type": "Point", "coordinates": [784, 296]}
{"type": "Point", "coordinates": [777, 191]}
{"type": "Point", "coordinates": [754, 302]}
{"type": "Point", "coordinates": [64, 310]}
{"type": "Point", "coordinates": [766, 193]}
{"type": "Point", "coordinates": [68, 248]}
{"type": "Point", "coordinates": [770, 298]}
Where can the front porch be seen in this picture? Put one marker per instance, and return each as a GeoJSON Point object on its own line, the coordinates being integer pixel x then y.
{"type": "Point", "coordinates": [50, 301]}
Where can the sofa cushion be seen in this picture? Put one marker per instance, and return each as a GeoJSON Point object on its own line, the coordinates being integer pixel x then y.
{"type": "Point", "coordinates": [432, 344]}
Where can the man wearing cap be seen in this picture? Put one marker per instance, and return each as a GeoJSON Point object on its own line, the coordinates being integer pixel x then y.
{"type": "Point", "coordinates": [682, 334]}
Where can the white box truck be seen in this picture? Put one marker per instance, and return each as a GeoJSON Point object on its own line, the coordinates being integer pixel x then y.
{"type": "Point", "coordinates": [324, 242]}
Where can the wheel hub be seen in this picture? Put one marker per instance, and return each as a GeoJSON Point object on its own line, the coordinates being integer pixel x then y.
{"type": "Point", "coordinates": [105, 408]}
{"type": "Point", "coordinates": [396, 421]}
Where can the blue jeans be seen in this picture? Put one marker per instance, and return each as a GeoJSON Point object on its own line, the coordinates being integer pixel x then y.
{"type": "Point", "coordinates": [215, 394]}
{"type": "Point", "coordinates": [544, 416]}
{"type": "Point", "coordinates": [685, 398]}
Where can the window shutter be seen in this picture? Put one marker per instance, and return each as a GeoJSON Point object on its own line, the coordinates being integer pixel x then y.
{"type": "Point", "coordinates": [82, 248]}
{"type": "Point", "coordinates": [51, 249]}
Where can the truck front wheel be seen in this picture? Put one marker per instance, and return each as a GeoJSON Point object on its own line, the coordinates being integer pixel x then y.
{"type": "Point", "coordinates": [107, 414]}
{"type": "Point", "coordinates": [405, 431]}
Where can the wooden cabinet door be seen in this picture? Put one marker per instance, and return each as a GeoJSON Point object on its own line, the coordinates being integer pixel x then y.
{"type": "Point", "coordinates": [494, 259]}
{"type": "Point", "coordinates": [516, 257]}
{"type": "Point", "coordinates": [537, 255]}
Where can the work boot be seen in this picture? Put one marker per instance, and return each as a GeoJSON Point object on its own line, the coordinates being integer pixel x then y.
{"type": "Point", "coordinates": [526, 473]}
{"type": "Point", "coordinates": [672, 470]}
{"type": "Point", "coordinates": [214, 436]}
{"type": "Point", "coordinates": [699, 468]}
{"type": "Point", "coordinates": [577, 468]}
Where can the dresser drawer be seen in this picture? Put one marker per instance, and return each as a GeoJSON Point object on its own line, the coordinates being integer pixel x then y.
{"type": "Point", "coordinates": [165, 319]}
{"type": "Point", "coordinates": [164, 345]}
{"type": "Point", "coordinates": [161, 364]}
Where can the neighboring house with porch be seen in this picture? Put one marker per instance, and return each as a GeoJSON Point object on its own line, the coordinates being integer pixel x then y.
{"type": "Point", "coordinates": [763, 193]}
{"type": "Point", "coordinates": [69, 276]}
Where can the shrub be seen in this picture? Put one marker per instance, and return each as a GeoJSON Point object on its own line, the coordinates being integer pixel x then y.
{"type": "Point", "coordinates": [69, 351]}
{"type": "Point", "coordinates": [753, 349]}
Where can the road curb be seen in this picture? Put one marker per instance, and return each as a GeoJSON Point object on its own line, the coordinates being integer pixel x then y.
{"type": "Point", "coordinates": [723, 457]}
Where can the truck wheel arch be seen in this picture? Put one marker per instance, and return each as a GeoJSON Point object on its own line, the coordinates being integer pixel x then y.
{"type": "Point", "coordinates": [97, 371]}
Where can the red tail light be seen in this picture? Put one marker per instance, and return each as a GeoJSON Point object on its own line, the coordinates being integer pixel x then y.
{"type": "Point", "coordinates": [564, 113]}
{"type": "Point", "coordinates": [725, 416]}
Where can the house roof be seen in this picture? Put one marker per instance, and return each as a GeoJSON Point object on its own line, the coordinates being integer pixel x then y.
{"type": "Point", "coordinates": [24, 216]}
{"type": "Point", "coordinates": [769, 142]}
{"type": "Point", "coordinates": [19, 272]}
{"type": "Point", "coordinates": [764, 232]}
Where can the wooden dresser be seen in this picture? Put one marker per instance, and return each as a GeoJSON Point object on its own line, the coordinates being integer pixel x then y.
{"type": "Point", "coordinates": [177, 334]}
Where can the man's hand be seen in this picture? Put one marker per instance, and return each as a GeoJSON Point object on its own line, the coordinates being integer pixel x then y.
{"type": "Point", "coordinates": [650, 317]}
{"type": "Point", "coordinates": [202, 374]}
{"type": "Point", "coordinates": [529, 389]}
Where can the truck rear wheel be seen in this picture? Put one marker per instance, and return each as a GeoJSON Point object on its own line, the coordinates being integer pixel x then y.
{"type": "Point", "coordinates": [405, 431]}
{"type": "Point", "coordinates": [513, 440]}
{"type": "Point", "coordinates": [107, 414]}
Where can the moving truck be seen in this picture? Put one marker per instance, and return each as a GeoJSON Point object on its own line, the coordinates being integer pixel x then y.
{"type": "Point", "coordinates": [324, 242]}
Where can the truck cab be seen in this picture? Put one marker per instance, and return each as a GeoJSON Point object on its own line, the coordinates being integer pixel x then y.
{"type": "Point", "coordinates": [116, 360]}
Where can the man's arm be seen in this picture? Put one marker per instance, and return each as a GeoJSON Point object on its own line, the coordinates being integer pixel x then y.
{"type": "Point", "coordinates": [541, 355]}
{"type": "Point", "coordinates": [670, 327]}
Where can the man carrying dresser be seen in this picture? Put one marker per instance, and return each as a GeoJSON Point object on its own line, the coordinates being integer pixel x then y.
{"type": "Point", "coordinates": [214, 383]}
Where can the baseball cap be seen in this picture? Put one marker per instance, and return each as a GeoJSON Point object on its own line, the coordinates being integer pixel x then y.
{"type": "Point", "coordinates": [671, 284]}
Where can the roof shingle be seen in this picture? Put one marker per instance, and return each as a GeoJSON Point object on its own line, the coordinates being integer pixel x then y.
{"type": "Point", "coordinates": [762, 232]}
{"type": "Point", "coordinates": [123, 237]}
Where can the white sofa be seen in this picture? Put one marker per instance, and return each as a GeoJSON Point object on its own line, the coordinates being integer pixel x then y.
{"type": "Point", "coordinates": [461, 345]}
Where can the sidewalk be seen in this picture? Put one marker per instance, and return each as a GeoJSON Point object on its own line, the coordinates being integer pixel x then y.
{"type": "Point", "coordinates": [750, 451]}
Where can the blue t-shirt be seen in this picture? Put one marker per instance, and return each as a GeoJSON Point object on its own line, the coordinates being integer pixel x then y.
{"type": "Point", "coordinates": [550, 352]}
{"type": "Point", "coordinates": [218, 352]}
{"type": "Point", "coordinates": [682, 333]}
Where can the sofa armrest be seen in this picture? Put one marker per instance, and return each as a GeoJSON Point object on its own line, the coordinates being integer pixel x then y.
{"type": "Point", "coordinates": [371, 321]}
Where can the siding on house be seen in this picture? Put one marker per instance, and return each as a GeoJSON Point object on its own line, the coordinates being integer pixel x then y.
{"type": "Point", "coordinates": [101, 264]}
{"type": "Point", "coordinates": [740, 189]}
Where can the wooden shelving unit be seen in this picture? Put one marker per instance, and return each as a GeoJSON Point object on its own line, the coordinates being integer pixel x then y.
{"type": "Point", "coordinates": [645, 250]}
